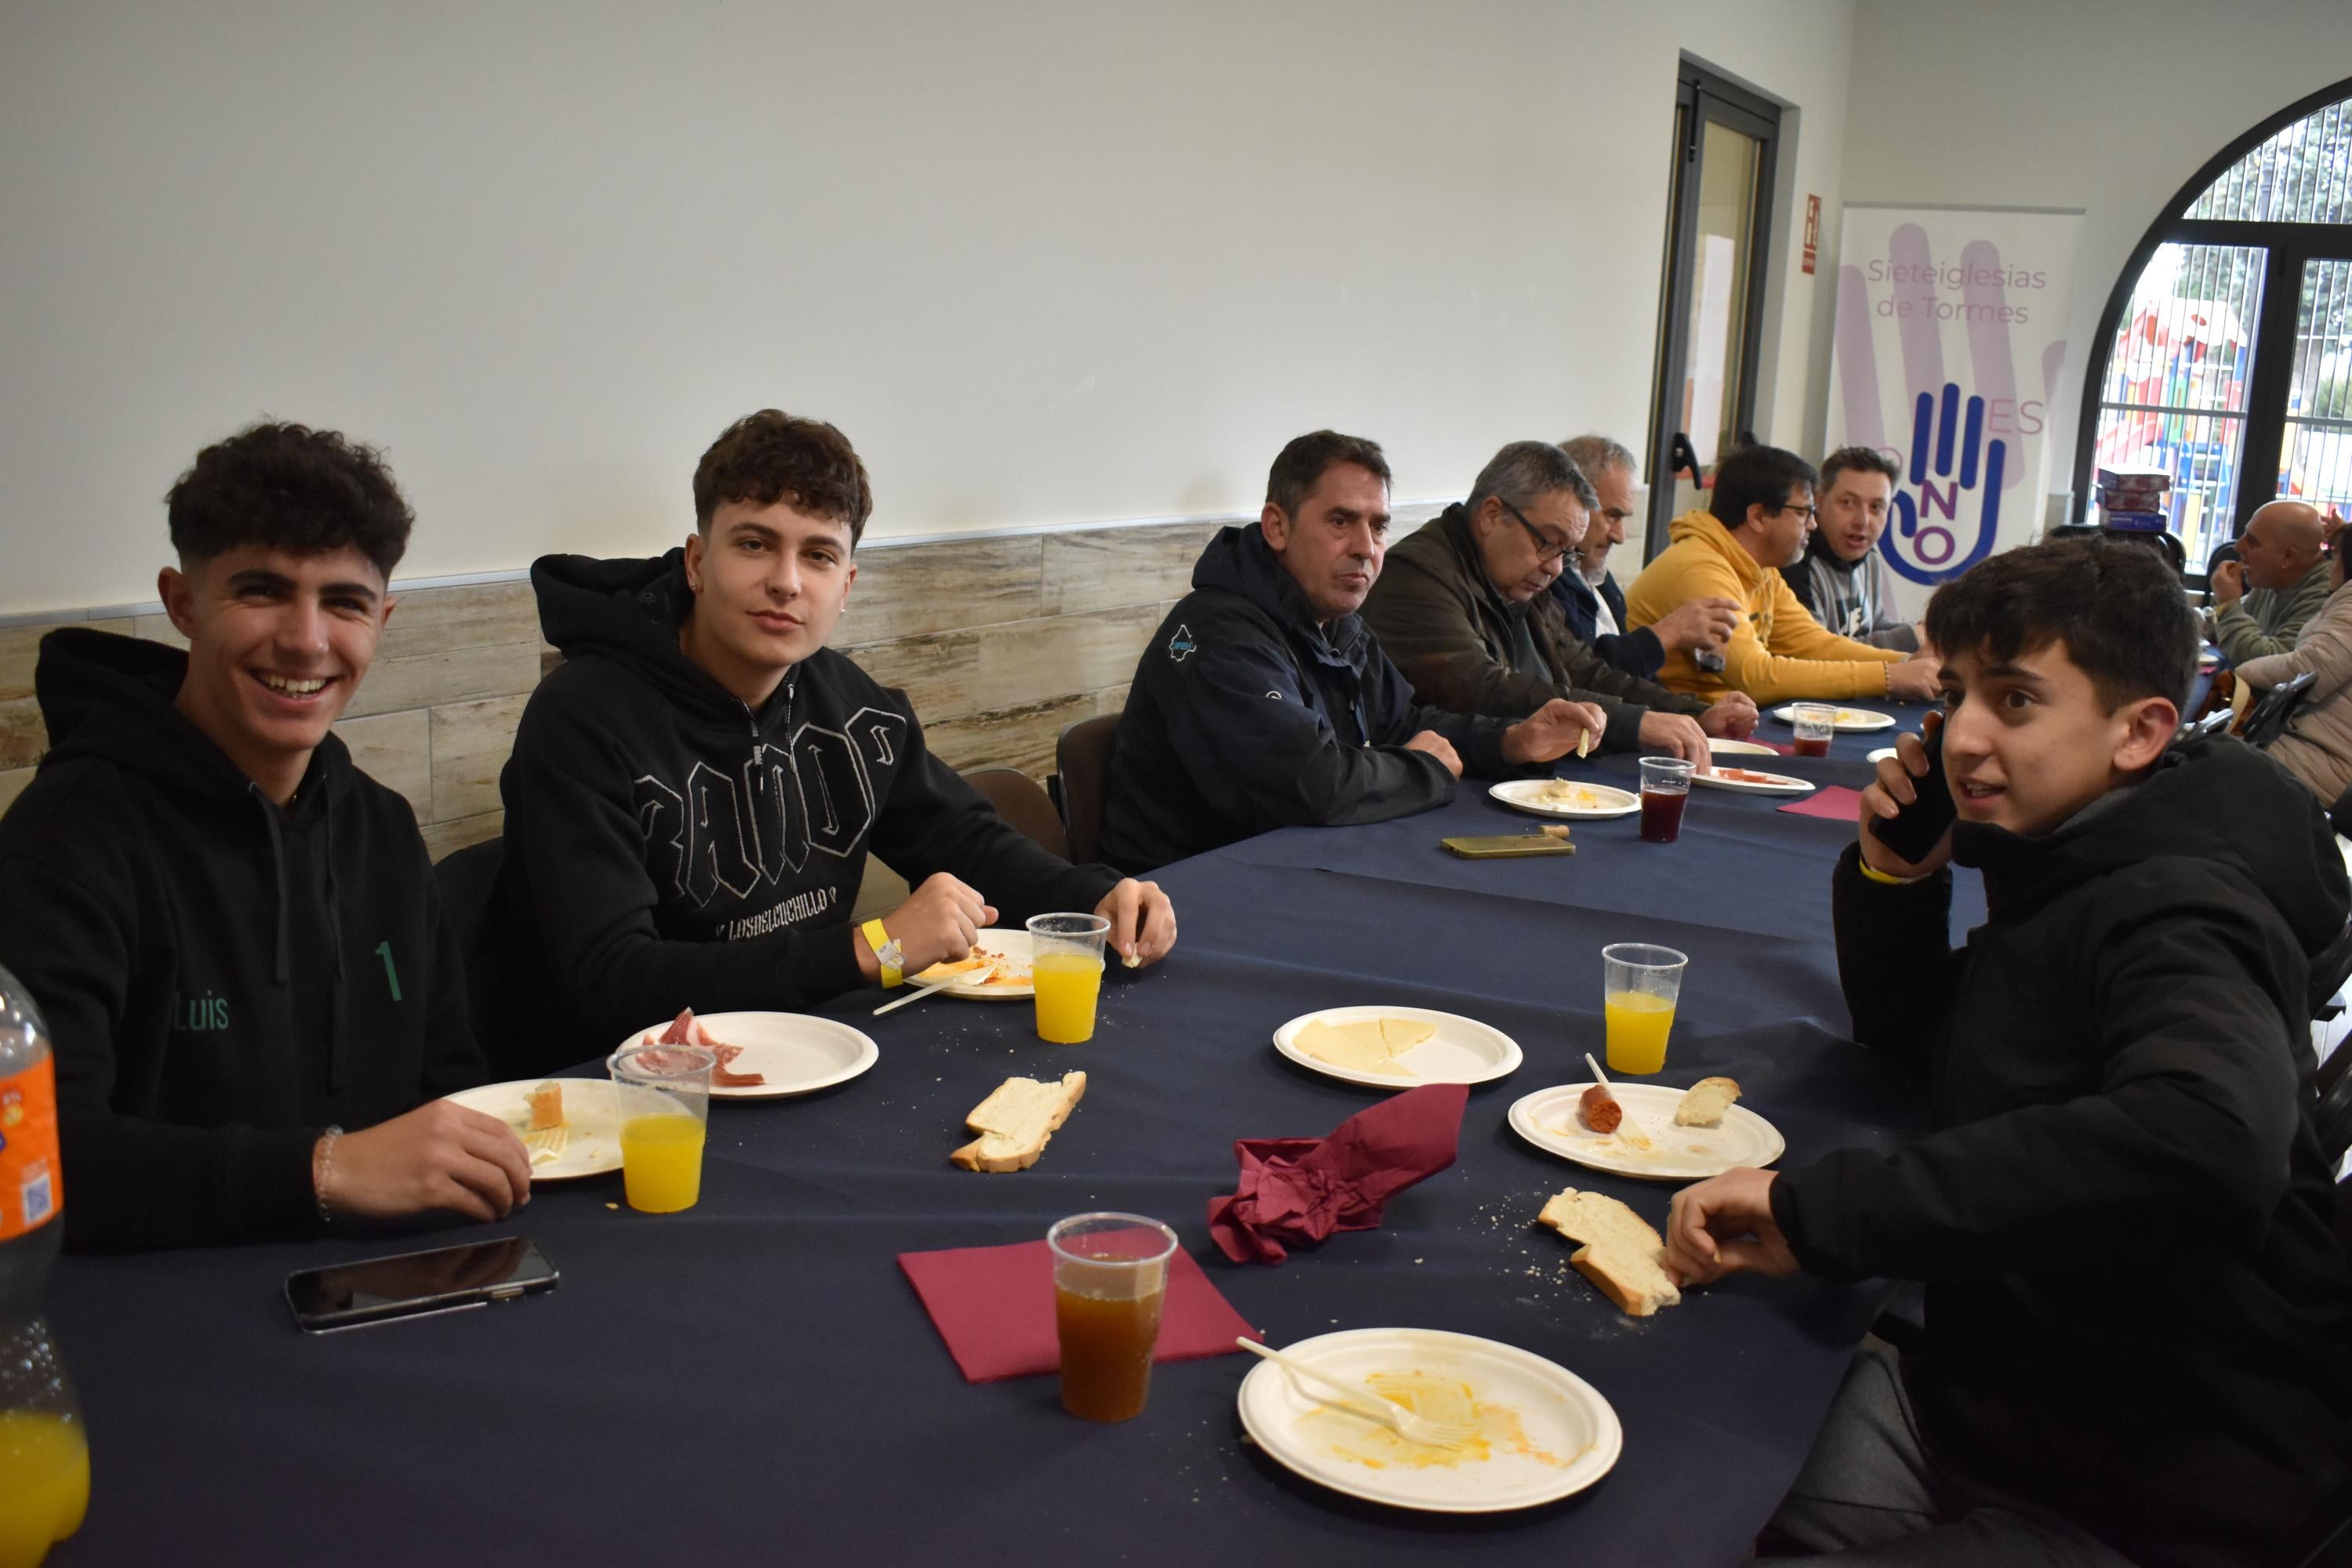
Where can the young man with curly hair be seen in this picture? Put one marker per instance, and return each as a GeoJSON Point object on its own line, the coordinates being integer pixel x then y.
{"type": "Point", "coordinates": [232, 932]}
{"type": "Point", "coordinates": [692, 796]}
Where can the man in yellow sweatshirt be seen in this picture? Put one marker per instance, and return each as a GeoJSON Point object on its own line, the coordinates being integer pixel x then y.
{"type": "Point", "coordinates": [1758, 519]}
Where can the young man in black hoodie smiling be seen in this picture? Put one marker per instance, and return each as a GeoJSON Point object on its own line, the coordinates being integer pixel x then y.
{"type": "Point", "coordinates": [231, 932]}
{"type": "Point", "coordinates": [2139, 1322]}
{"type": "Point", "coordinates": [693, 794]}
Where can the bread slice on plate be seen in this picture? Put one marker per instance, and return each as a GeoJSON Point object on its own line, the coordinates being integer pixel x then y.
{"type": "Point", "coordinates": [1622, 1254]}
{"type": "Point", "coordinates": [1016, 1121]}
{"type": "Point", "coordinates": [1704, 1106]}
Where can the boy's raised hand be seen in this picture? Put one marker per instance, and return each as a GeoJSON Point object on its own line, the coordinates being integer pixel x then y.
{"type": "Point", "coordinates": [1889, 794]}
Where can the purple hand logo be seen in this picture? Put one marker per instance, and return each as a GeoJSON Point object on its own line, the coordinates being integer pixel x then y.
{"type": "Point", "coordinates": [1927, 552]}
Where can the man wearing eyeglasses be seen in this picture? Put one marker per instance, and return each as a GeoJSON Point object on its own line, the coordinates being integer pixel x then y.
{"type": "Point", "coordinates": [1466, 610]}
{"type": "Point", "coordinates": [1759, 514]}
{"type": "Point", "coordinates": [1587, 592]}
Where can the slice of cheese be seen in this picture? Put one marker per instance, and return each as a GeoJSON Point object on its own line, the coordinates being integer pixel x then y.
{"type": "Point", "coordinates": [1367, 1045]}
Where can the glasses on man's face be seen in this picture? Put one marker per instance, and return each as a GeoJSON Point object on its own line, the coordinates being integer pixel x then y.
{"type": "Point", "coordinates": [1813, 513]}
{"type": "Point", "coordinates": [1549, 548]}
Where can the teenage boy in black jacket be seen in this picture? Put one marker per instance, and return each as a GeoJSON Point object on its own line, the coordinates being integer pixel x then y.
{"type": "Point", "coordinates": [692, 795]}
{"type": "Point", "coordinates": [232, 932]}
{"type": "Point", "coordinates": [2139, 1322]}
{"type": "Point", "coordinates": [1263, 701]}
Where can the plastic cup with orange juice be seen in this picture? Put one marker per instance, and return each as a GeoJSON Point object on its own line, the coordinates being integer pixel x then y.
{"type": "Point", "coordinates": [1640, 984]}
{"type": "Point", "coordinates": [663, 1108]}
{"type": "Point", "coordinates": [1066, 967]}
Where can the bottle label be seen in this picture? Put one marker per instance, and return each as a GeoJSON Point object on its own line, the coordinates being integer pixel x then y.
{"type": "Point", "coordinates": [31, 1185]}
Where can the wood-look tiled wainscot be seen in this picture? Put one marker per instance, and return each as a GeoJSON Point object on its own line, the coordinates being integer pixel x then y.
{"type": "Point", "coordinates": [999, 642]}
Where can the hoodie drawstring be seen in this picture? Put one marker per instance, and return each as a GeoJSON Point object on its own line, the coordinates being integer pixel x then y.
{"type": "Point", "coordinates": [274, 819]}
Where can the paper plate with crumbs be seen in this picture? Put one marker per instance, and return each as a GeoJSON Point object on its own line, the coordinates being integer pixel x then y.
{"type": "Point", "coordinates": [1565, 797]}
{"type": "Point", "coordinates": [1539, 1432]}
{"type": "Point", "coordinates": [1722, 747]}
{"type": "Point", "coordinates": [1552, 1121]}
{"type": "Point", "coordinates": [578, 1134]}
{"type": "Point", "coordinates": [1397, 1048]}
{"type": "Point", "coordinates": [1850, 720]}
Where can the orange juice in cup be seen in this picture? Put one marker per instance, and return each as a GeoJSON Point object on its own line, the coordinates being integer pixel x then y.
{"type": "Point", "coordinates": [1639, 987]}
{"type": "Point", "coordinates": [1065, 966]}
{"type": "Point", "coordinates": [662, 1102]}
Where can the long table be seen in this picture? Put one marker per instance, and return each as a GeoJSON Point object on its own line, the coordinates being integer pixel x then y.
{"type": "Point", "coordinates": [753, 1380]}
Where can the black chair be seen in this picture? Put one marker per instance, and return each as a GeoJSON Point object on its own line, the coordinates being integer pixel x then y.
{"type": "Point", "coordinates": [1022, 802]}
{"type": "Point", "coordinates": [468, 882]}
{"type": "Point", "coordinates": [2267, 719]}
{"type": "Point", "coordinates": [1082, 757]}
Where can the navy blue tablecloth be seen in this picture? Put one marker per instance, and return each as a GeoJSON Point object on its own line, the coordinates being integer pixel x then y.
{"type": "Point", "coordinates": [753, 1380]}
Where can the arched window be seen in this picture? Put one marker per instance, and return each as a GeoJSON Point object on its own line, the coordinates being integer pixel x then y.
{"type": "Point", "coordinates": [2228, 337]}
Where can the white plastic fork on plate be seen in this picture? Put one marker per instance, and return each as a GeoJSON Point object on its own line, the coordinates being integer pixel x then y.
{"type": "Point", "coordinates": [1409, 1424]}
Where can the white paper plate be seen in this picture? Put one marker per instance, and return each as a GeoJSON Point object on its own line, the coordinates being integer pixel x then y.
{"type": "Point", "coordinates": [593, 1144]}
{"type": "Point", "coordinates": [1007, 944]}
{"type": "Point", "coordinates": [1850, 720]}
{"type": "Point", "coordinates": [1880, 755]}
{"type": "Point", "coordinates": [1549, 1120]}
{"type": "Point", "coordinates": [1761, 784]}
{"type": "Point", "coordinates": [1723, 748]}
{"type": "Point", "coordinates": [798, 1054]}
{"type": "Point", "coordinates": [1524, 793]}
{"type": "Point", "coordinates": [1464, 1050]}
{"type": "Point", "coordinates": [1545, 1433]}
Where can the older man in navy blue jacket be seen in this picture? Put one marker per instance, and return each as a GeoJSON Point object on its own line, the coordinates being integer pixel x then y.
{"type": "Point", "coordinates": [1589, 594]}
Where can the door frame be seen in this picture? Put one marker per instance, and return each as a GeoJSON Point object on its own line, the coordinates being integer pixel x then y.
{"type": "Point", "coordinates": [1702, 96]}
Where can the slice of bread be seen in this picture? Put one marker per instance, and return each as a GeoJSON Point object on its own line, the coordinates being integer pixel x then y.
{"type": "Point", "coordinates": [1704, 1106]}
{"type": "Point", "coordinates": [1622, 1254]}
{"type": "Point", "coordinates": [1016, 1121]}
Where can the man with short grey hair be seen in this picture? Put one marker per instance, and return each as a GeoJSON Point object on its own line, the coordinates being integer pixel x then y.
{"type": "Point", "coordinates": [1588, 595]}
{"type": "Point", "coordinates": [1466, 610]}
{"type": "Point", "coordinates": [2277, 582]}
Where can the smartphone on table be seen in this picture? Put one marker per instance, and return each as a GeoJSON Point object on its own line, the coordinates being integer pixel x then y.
{"type": "Point", "coordinates": [416, 1284]}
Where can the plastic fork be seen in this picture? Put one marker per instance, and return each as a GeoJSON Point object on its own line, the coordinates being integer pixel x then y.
{"type": "Point", "coordinates": [1409, 1424]}
{"type": "Point", "coordinates": [549, 1141]}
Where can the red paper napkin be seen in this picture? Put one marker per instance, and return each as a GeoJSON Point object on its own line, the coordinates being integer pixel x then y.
{"type": "Point", "coordinates": [994, 1308]}
{"type": "Point", "coordinates": [1300, 1190]}
{"type": "Point", "coordinates": [1837, 803]}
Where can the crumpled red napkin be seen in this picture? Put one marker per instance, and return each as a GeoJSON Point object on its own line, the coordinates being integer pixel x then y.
{"type": "Point", "coordinates": [1300, 1190]}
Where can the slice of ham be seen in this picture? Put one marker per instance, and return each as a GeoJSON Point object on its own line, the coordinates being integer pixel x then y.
{"type": "Point", "coordinates": [688, 1030]}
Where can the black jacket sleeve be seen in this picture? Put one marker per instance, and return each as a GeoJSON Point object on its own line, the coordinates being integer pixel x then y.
{"type": "Point", "coordinates": [453, 1058]}
{"type": "Point", "coordinates": [572, 824]}
{"type": "Point", "coordinates": [935, 822]}
{"type": "Point", "coordinates": [1261, 758]}
{"type": "Point", "coordinates": [1397, 718]}
{"type": "Point", "coordinates": [1637, 653]}
{"type": "Point", "coordinates": [1895, 956]}
{"type": "Point", "coordinates": [71, 940]}
{"type": "Point", "coordinates": [2189, 1130]}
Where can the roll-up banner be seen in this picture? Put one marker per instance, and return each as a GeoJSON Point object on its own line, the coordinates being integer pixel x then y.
{"type": "Point", "coordinates": [1950, 336]}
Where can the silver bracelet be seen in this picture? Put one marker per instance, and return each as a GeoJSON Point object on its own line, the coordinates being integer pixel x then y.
{"type": "Point", "coordinates": [326, 1171]}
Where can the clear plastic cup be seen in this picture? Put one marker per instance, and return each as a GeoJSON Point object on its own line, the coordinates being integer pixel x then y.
{"type": "Point", "coordinates": [662, 1105]}
{"type": "Point", "coordinates": [1065, 965]}
{"type": "Point", "coordinates": [1110, 1276]}
{"type": "Point", "coordinates": [1639, 987]}
{"type": "Point", "coordinates": [1665, 790]}
{"type": "Point", "coordinates": [1815, 724]}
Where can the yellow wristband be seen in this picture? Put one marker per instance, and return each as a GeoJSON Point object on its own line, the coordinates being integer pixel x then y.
{"type": "Point", "coordinates": [1888, 877]}
{"type": "Point", "coordinates": [885, 952]}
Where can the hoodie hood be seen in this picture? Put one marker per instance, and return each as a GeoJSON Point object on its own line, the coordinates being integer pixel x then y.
{"type": "Point", "coordinates": [630, 610]}
{"type": "Point", "coordinates": [1817, 549]}
{"type": "Point", "coordinates": [1238, 560]}
{"type": "Point", "coordinates": [1708, 530]}
{"type": "Point", "coordinates": [2209, 799]}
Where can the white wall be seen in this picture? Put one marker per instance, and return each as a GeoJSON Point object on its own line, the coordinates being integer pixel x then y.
{"type": "Point", "coordinates": [2107, 105]}
{"type": "Point", "coordinates": [1043, 260]}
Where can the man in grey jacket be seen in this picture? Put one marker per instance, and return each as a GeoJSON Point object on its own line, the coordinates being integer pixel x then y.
{"type": "Point", "coordinates": [2277, 582]}
{"type": "Point", "coordinates": [1843, 579]}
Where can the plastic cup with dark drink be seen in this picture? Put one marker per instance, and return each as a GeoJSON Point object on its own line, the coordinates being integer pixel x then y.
{"type": "Point", "coordinates": [1814, 722]}
{"type": "Point", "coordinates": [1110, 1275]}
{"type": "Point", "coordinates": [1665, 789]}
